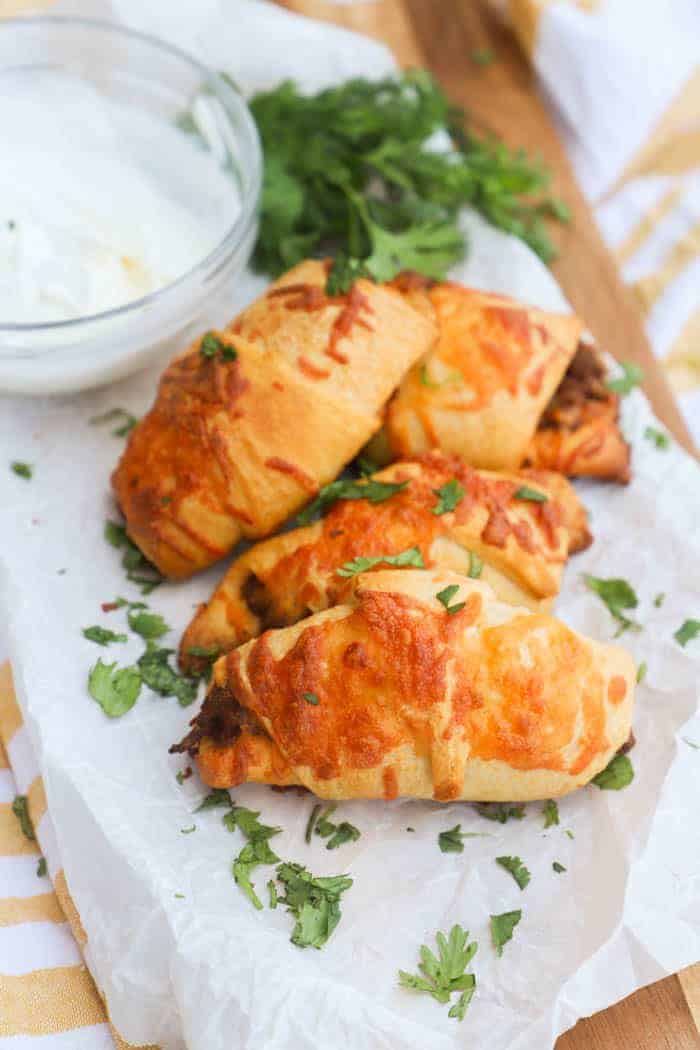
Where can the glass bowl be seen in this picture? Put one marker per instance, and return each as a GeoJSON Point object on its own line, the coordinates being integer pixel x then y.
{"type": "Point", "coordinates": [143, 79]}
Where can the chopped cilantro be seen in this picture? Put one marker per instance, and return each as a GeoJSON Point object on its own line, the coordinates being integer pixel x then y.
{"type": "Point", "coordinates": [311, 698]}
{"type": "Point", "coordinates": [444, 974]}
{"type": "Point", "coordinates": [116, 690]}
{"type": "Point", "coordinates": [41, 868]}
{"type": "Point", "coordinates": [188, 831]}
{"type": "Point", "coordinates": [517, 869]}
{"type": "Point", "coordinates": [102, 635]}
{"type": "Point", "coordinates": [349, 169]}
{"type": "Point", "coordinates": [20, 808]}
{"type": "Point", "coordinates": [452, 841]}
{"type": "Point", "coordinates": [147, 624]}
{"type": "Point", "coordinates": [657, 437]}
{"type": "Point", "coordinates": [450, 495]}
{"type": "Point", "coordinates": [272, 891]}
{"type": "Point", "coordinates": [499, 811]}
{"type": "Point", "coordinates": [569, 833]}
{"type": "Point", "coordinates": [314, 902]}
{"type": "Point", "coordinates": [217, 797]}
{"type": "Point", "coordinates": [533, 495]}
{"type": "Point", "coordinates": [617, 774]}
{"type": "Point", "coordinates": [257, 850]}
{"type": "Point", "coordinates": [550, 812]}
{"type": "Point", "coordinates": [559, 868]}
{"type": "Point", "coordinates": [502, 927]}
{"type": "Point", "coordinates": [159, 676]}
{"type": "Point", "coordinates": [211, 345]}
{"type": "Point", "coordinates": [369, 489]}
{"type": "Point", "coordinates": [125, 421]}
{"type": "Point", "coordinates": [22, 470]}
{"type": "Point", "coordinates": [445, 597]}
{"type": "Point", "coordinates": [337, 834]}
{"type": "Point", "coordinates": [344, 272]}
{"type": "Point", "coordinates": [632, 376]}
{"type": "Point", "coordinates": [617, 595]}
{"type": "Point", "coordinates": [641, 672]}
{"type": "Point", "coordinates": [139, 569]}
{"type": "Point", "coordinates": [475, 566]}
{"type": "Point", "coordinates": [688, 630]}
{"type": "Point", "coordinates": [344, 832]}
{"type": "Point", "coordinates": [412, 556]}
{"type": "Point", "coordinates": [312, 821]}
{"type": "Point", "coordinates": [659, 600]}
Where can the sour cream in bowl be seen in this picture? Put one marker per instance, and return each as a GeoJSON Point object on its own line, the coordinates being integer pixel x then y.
{"type": "Point", "coordinates": [128, 191]}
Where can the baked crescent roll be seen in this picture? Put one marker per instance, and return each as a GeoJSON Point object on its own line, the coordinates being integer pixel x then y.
{"type": "Point", "coordinates": [248, 424]}
{"type": "Point", "coordinates": [396, 694]}
{"type": "Point", "coordinates": [483, 387]}
{"type": "Point", "coordinates": [579, 433]}
{"type": "Point", "coordinates": [523, 545]}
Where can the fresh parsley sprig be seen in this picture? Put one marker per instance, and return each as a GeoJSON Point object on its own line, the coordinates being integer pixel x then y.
{"type": "Point", "coordinates": [517, 869]}
{"type": "Point", "coordinates": [348, 170]}
{"type": "Point", "coordinates": [450, 495]}
{"type": "Point", "coordinates": [617, 594]}
{"type": "Point", "coordinates": [444, 974]}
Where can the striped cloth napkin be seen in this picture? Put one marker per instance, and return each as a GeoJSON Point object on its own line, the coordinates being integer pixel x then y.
{"type": "Point", "coordinates": [622, 78]}
{"type": "Point", "coordinates": [624, 84]}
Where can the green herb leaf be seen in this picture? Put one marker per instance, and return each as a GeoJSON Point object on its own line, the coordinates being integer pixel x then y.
{"type": "Point", "coordinates": [126, 421]}
{"type": "Point", "coordinates": [533, 495]}
{"type": "Point", "coordinates": [324, 825]}
{"type": "Point", "coordinates": [370, 489]}
{"type": "Point", "coordinates": [550, 811]}
{"type": "Point", "coordinates": [657, 437]}
{"type": "Point", "coordinates": [460, 1007]}
{"type": "Point", "coordinates": [475, 566]}
{"type": "Point", "coordinates": [22, 470]}
{"type": "Point", "coordinates": [314, 902]}
{"type": "Point", "coordinates": [139, 569]}
{"type": "Point", "coordinates": [344, 272]}
{"type": "Point", "coordinates": [516, 868]}
{"type": "Point", "coordinates": [632, 376]}
{"type": "Point", "coordinates": [349, 170]}
{"type": "Point", "coordinates": [147, 624]}
{"type": "Point", "coordinates": [444, 974]}
{"type": "Point", "coordinates": [41, 868]}
{"type": "Point", "coordinates": [688, 630]}
{"type": "Point", "coordinates": [20, 808]}
{"type": "Point", "coordinates": [449, 496]}
{"type": "Point", "coordinates": [115, 690]}
{"type": "Point", "coordinates": [445, 597]}
{"type": "Point", "coordinates": [559, 868]}
{"type": "Point", "coordinates": [502, 927]}
{"type": "Point", "coordinates": [641, 672]}
{"type": "Point", "coordinates": [412, 556]}
{"type": "Point", "coordinates": [452, 841]}
{"type": "Point", "coordinates": [499, 811]}
{"type": "Point", "coordinates": [159, 676]}
{"type": "Point", "coordinates": [617, 595]}
{"type": "Point", "coordinates": [188, 831]}
{"type": "Point", "coordinates": [569, 833]}
{"type": "Point", "coordinates": [217, 797]}
{"type": "Point", "coordinates": [617, 774]}
{"type": "Point", "coordinates": [311, 698]}
{"type": "Point", "coordinates": [102, 636]}
{"type": "Point", "coordinates": [212, 344]}
{"type": "Point", "coordinates": [659, 600]}
{"type": "Point", "coordinates": [252, 855]}
{"type": "Point", "coordinates": [312, 821]}
{"type": "Point", "coordinates": [344, 832]}
{"type": "Point", "coordinates": [272, 890]}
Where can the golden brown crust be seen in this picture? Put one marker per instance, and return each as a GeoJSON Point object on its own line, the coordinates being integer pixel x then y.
{"type": "Point", "coordinates": [232, 448]}
{"type": "Point", "coordinates": [490, 703]}
{"type": "Point", "coordinates": [579, 433]}
{"type": "Point", "coordinates": [483, 387]}
{"type": "Point", "coordinates": [523, 546]}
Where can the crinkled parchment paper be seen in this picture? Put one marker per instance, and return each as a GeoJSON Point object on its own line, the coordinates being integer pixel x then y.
{"type": "Point", "coordinates": [206, 970]}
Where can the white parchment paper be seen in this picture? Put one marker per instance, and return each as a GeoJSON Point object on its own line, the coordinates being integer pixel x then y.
{"type": "Point", "coordinates": [205, 970]}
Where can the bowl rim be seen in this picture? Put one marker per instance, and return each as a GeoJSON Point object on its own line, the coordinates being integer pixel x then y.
{"type": "Point", "coordinates": [231, 98]}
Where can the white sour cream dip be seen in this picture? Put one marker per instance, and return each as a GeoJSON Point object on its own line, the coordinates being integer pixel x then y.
{"type": "Point", "coordinates": [100, 203]}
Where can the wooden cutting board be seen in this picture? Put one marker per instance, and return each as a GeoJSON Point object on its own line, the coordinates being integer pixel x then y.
{"type": "Point", "coordinates": [502, 97]}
